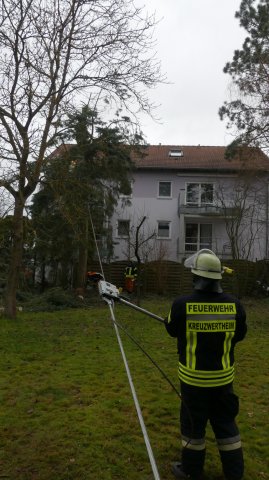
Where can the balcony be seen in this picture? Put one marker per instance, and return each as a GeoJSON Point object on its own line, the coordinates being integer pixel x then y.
{"type": "Point", "coordinates": [207, 211]}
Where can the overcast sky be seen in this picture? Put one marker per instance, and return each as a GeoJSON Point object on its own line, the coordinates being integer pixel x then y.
{"type": "Point", "coordinates": [195, 39]}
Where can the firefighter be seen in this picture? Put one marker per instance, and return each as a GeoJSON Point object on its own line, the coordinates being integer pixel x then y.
{"type": "Point", "coordinates": [207, 323]}
{"type": "Point", "coordinates": [130, 276]}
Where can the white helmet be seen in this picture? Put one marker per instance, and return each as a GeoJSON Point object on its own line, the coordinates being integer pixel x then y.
{"type": "Point", "coordinates": [205, 263]}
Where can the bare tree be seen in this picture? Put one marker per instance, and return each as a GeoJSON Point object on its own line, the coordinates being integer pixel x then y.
{"type": "Point", "coordinates": [138, 247]}
{"type": "Point", "coordinates": [143, 246]}
{"type": "Point", "coordinates": [52, 53]}
{"type": "Point", "coordinates": [244, 213]}
{"type": "Point", "coordinates": [139, 240]}
{"type": "Point", "coordinates": [6, 203]}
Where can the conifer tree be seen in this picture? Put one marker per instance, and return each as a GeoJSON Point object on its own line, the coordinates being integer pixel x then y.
{"type": "Point", "coordinates": [249, 70]}
{"type": "Point", "coordinates": [80, 185]}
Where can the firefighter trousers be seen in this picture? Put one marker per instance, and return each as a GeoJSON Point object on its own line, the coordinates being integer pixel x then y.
{"type": "Point", "coordinates": [219, 406]}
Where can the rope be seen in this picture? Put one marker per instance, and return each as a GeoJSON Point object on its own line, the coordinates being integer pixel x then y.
{"type": "Point", "coordinates": [137, 406]}
{"type": "Point", "coordinates": [185, 446]}
{"type": "Point", "coordinates": [96, 244]}
{"type": "Point", "coordinates": [150, 358]}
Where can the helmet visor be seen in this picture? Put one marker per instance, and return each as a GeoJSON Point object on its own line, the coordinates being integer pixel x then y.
{"type": "Point", "coordinates": [205, 263]}
{"type": "Point", "coordinates": [190, 262]}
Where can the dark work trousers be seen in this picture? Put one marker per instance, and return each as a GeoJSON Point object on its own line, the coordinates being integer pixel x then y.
{"type": "Point", "coordinates": [219, 406]}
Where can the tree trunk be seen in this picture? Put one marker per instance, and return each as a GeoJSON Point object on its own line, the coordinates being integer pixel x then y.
{"type": "Point", "coordinates": [81, 266]}
{"type": "Point", "coordinates": [43, 276]}
{"type": "Point", "coordinates": [138, 259]}
{"type": "Point", "coordinates": [64, 280]}
{"type": "Point", "coordinates": [15, 259]}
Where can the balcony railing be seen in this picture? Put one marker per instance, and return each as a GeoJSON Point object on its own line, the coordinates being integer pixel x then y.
{"type": "Point", "coordinates": [193, 246]}
{"type": "Point", "coordinates": [207, 210]}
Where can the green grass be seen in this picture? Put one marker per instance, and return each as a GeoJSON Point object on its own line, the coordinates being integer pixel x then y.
{"type": "Point", "coordinates": [66, 410]}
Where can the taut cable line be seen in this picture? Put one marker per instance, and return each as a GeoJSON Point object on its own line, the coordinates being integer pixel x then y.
{"type": "Point", "coordinates": [96, 244]}
{"type": "Point", "coordinates": [136, 402]}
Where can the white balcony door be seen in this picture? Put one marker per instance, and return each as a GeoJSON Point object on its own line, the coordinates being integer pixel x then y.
{"type": "Point", "coordinates": [198, 236]}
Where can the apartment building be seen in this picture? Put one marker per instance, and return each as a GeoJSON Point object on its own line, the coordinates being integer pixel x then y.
{"type": "Point", "coordinates": [185, 198]}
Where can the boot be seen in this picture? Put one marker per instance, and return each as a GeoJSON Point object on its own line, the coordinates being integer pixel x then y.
{"type": "Point", "coordinates": [178, 471]}
{"type": "Point", "coordinates": [176, 468]}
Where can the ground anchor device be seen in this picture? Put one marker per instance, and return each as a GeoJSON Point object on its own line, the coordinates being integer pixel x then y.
{"type": "Point", "coordinates": [108, 291]}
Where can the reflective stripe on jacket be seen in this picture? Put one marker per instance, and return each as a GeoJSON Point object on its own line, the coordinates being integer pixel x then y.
{"type": "Point", "coordinates": [130, 272]}
{"type": "Point", "coordinates": [207, 327]}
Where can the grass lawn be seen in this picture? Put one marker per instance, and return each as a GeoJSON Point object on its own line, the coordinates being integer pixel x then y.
{"type": "Point", "coordinates": [66, 410]}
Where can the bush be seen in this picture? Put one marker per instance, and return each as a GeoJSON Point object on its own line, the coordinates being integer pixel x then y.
{"type": "Point", "coordinates": [52, 299]}
{"type": "Point", "coordinates": [60, 298]}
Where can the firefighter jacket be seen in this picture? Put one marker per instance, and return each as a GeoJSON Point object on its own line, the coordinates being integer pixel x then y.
{"type": "Point", "coordinates": [130, 272]}
{"type": "Point", "coordinates": [207, 326]}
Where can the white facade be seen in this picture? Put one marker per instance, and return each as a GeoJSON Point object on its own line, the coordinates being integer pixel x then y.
{"type": "Point", "coordinates": [188, 211]}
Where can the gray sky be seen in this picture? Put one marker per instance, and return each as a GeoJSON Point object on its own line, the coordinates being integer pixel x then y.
{"type": "Point", "coordinates": [195, 39]}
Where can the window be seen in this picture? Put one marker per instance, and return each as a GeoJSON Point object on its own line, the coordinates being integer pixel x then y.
{"type": "Point", "coordinates": [197, 236]}
{"type": "Point", "coordinates": [176, 153]}
{"type": "Point", "coordinates": [165, 189]}
{"type": "Point", "coordinates": [163, 229]}
{"type": "Point", "coordinates": [199, 193]}
{"type": "Point", "coordinates": [123, 228]}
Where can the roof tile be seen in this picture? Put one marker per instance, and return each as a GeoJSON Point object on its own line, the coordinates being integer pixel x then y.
{"type": "Point", "coordinates": [200, 158]}
{"type": "Point", "coordinates": [194, 158]}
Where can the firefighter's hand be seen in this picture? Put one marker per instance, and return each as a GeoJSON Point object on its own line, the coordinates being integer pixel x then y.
{"type": "Point", "coordinates": [228, 270]}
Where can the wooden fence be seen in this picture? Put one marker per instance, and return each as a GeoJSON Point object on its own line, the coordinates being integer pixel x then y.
{"type": "Point", "coordinates": [172, 278]}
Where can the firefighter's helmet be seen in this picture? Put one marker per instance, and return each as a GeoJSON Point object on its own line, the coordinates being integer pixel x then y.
{"type": "Point", "coordinates": [205, 263]}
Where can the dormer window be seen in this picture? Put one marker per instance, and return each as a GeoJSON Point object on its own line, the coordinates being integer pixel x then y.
{"type": "Point", "coordinates": [176, 153]}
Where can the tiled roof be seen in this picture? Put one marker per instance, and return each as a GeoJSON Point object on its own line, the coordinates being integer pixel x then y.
{"type": "Point", "coordinates": [61, 150]}
{"type": "Point", "coordinates": [192, 158]}
{"type": "Point", "coordinates": [200, 158]}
